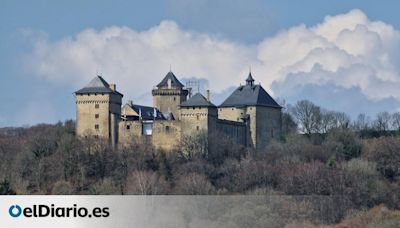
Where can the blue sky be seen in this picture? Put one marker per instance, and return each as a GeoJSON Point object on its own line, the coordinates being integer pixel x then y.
{"type": "Point", "coordinates": [31, 95]}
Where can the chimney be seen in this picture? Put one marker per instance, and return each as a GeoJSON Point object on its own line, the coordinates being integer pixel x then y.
{"type": "Point", "coordinates": [208, 95]}
{"type": "Point", "coordinates": [113, 87]}
{"type": "Point", "coordinates": [130, 103]}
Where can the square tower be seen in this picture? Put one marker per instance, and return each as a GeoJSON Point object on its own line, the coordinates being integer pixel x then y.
{"type": "Point", "coordinates": [98, 110]}
{"type": "Point", "coordinates": [198, 114]}
{"type": "Point", "coordinates": [250, 103]}
{"type": "Point", "coordinates": [168, 95]}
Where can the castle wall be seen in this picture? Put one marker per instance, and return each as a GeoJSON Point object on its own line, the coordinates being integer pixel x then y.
{"type": "Point", "coordinates": [166, 134]}
{"type": "Point", "coordinates": [197, 119]}
{"type": "Point", "coordinates": [86, 113]}
{"type": "Point", "coordinates": [264, 123]}
{"type": "Point", "coordinates": [129, 132]}
{"type": "Point", "coordinates": [231, 113]}
{"type": "Point", "coordinates": [253, 130]}
{"type": "Point", "coordinates": [236, 131]}
{"type": "Point", "coordinates": [98, 115]}
{"type": "Point", "coordinates": [169, 100]}
{"type": "Point", "coordinates": [268, 126]}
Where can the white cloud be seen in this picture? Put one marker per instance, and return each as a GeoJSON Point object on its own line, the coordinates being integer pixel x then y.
{"type": "Point", "coordinates": [344, 51]}
{"type": "Point", "coordinates": [137, 61]}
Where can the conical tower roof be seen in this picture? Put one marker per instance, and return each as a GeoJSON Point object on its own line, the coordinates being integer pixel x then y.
{"type": "Point", "coordinates": [175, 83]}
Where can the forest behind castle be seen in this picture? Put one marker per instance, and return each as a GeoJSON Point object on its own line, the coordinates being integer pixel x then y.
{"type": "Point", "coordinates": [354, 165]}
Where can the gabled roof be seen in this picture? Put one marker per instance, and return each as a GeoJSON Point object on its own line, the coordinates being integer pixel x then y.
{"type": "Point", "coordinates": [97, 85]}
{"type": "Point", "coordinates": [174, 81]}
{"type": "Point", "coordinates": [197, 100]}
{"type": "Point", "coordinates": [250, 95]}
{"type": "Point", "coordinates": [146, 112]}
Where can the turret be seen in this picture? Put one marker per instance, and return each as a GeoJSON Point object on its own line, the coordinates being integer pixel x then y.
{"type": "Point", "coordinates": [168, 95]}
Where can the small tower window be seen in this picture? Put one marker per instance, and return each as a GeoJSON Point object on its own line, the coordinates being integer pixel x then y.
{"type": "Point", "coordinates": [197, 116]}
{"type": "Point", "coordinates": [128, 127]}
{"type": "Point", "coordinates": [96, 116]}
{"type": "Point", "coordinates": [96, 126]}
{"type": "Point", "coordinates": [96, 106]}
{"type": "Point", "coordinates": [197, 127]}
{"type": "Point", "coordinates": [174, 98]}
{"type": "Point", "coordinates": [167, 128]}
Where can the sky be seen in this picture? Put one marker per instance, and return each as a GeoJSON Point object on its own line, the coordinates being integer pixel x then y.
{"type": "Point", "coordinates": [342, 55]}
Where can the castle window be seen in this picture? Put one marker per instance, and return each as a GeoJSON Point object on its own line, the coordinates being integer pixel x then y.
{"type": "Point", "coordinates": [174, 98]}
{"type": "Point", "coordinates": [167, 128]}
{"type": "Point", "coordinates": [233, 108]}
{"type": "Point", "coordinates": [197, 117]}
{"type": "Point", "coordinates": [96, 106]}
{"type": "Point", "coordinates": [128, 127]}
{"type": "Point", "coordinates": [96, 116]}
{"type": "Point", "coordinates": [197, 127]}
{"type": "Point", "coordinates": [96, 126]}
{"type": "Point", "coordinates": [147, 128]}
{"type": "Point", "coordinates": [194, 108]}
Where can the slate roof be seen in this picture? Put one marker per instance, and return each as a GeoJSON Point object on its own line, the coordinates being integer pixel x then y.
{"type": "Point", "coordinates": [146, 111]}
{"type": "Point", "coordinates": [174, 81]}
{"type": "Point", "coordinates": [250, 95]}
{"type": "Point", "coordinates": [97, 85]}
{"type": "Point", "coordinates": [197, 100]}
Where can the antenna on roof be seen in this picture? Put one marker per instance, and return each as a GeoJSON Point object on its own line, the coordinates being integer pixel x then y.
{"type": "Point", "coordinates": [193, 84]}
{"type": "Point", "coordinates": [170, 68]}
{"type": "Point", "coordinates": [250, 68]}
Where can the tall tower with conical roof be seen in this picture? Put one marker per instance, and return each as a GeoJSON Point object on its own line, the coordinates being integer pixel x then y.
{"type": "Point", "coordinates": [168, 95]}
{"type": "Point", "coordinates": [98, 110]}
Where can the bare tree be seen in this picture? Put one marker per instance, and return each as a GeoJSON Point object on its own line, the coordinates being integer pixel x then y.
{"type": "Point", "coordinates": [362, 122]}
{"type": "Point", "coordinates": [342, 120]}
{"type": "Point", "coordinates": [194, 145]}
{"type": "Point", "coordinates": [396, 120]}
{"type": "Point", "coordinates": [146, 183]}
{"type": "Point", "coordinates": [382, 121]}
{"type": "Point", "coordinates": [308, 116]}
{"type": "Point", "coordinates": [194, 184]}
{"type": "Point", "coordinates": [327, 121]}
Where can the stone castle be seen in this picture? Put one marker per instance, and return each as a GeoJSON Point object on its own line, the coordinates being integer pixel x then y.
{"type": "Point", "coordinates": [249, 116]}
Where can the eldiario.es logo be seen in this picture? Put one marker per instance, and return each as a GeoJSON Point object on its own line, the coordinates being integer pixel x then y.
{"type": "Point", "coordinates": [41, 210]}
